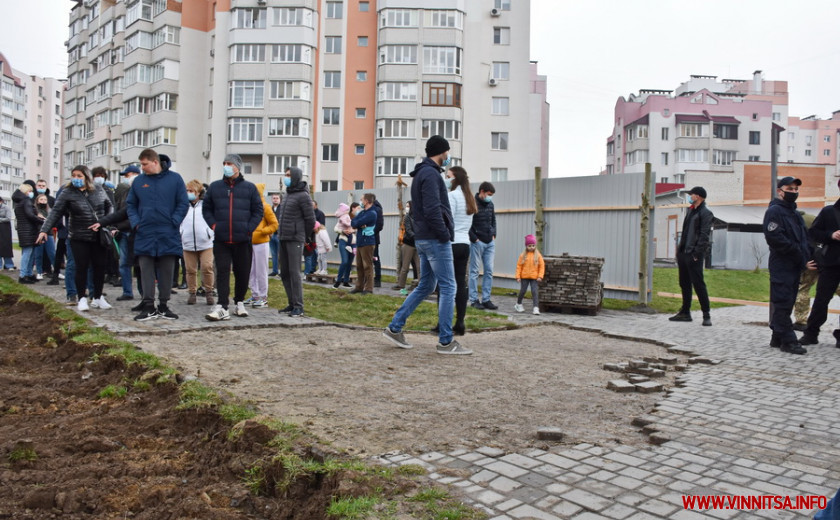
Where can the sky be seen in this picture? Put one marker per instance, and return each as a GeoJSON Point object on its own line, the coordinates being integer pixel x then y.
{"type": "Point", "coordinates": [592, 52]}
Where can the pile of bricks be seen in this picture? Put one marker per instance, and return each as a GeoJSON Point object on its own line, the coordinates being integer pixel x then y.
{"type": "Point", "coordinates": [640, 373]}
{"type": "Point", "coordinates": [572, 282]}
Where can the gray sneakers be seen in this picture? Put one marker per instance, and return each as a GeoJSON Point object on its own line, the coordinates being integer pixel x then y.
{"type": "Point", "coordinates": [397, 338]}
{"type": "Point", "coordinates": [453, 348]}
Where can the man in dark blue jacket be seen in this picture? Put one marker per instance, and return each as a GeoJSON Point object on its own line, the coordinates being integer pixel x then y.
{"type": "Point", "coordinates": [157, 204]}
{"type": "Point", "coordinates": [233, 208]}
{"type": "Point", "coordinates": [365, 224]}
{"type": "Point", "coordinates": [433, 234]}
{"type": "Point", "coordinates": [790, 254]}
{"type": "Point", "coordinates": [483, 247]}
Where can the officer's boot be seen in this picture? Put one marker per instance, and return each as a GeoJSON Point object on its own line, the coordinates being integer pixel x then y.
{"type": "Point", "coordinates": [836, 334]}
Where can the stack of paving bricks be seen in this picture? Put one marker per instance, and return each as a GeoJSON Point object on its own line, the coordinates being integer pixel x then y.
{"type": "Point", "coordinates": [572, 283]}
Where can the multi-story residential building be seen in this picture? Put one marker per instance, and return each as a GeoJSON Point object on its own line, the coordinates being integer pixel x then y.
{"type": "Point", "coordinates": [12, 130]}
{"type": "Point", "coordinates": [44, 102]}
{"type": "Point", "coordinates": [347, 90]}
{"type": "Point", "coordinates": [707, 125]}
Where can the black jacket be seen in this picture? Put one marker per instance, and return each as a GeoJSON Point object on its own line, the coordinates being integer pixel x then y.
{"type": "Point", "coordinates": [430, 204]}
{"type": "Point", "coordinates": [408, 225]}
{"type": "Point", "coordinates": [296, 216]}
{"type": "Point", "coordinates": [27, 222]}
{"type": "Point", "coordinates": [824, 225]}
{"type": "Point", "coordinates": [785, 233]}
{"type": "Point", "coordinates": [233, 211]}
{"type": "Point", "coordinates": [84, 209]}
{"type": "Point", "coordinates": [380, 220]}
{"type": "Point", "coordinates": [484, 222]}
{"type": "Point", "coordinates": [697, 231]}
{"type": "Point", "coordinates": [120, 196]}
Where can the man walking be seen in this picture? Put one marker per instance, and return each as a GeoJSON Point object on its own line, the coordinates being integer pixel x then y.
{"type": "Point", "coordinates": [433, 234]}
{"type": "Point", "coordinates": [483, 247]}
{"type": "Point", "coordinates": [790, 254]}
{"type": "Point", "coordinates": [691, 252]}
{"type": "Point", "coordinates": [157, 203]}
{"type": "Point", "coordinates": [233, 208]}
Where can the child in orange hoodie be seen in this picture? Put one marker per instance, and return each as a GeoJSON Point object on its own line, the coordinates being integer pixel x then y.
{"type": "Point", "coordinates": [530, 270]}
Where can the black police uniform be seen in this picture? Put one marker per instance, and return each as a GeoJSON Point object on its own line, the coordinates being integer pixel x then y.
{"type": "Point", "coordinates": [785, 233]}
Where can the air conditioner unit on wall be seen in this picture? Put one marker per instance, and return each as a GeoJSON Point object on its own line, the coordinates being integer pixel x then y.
{"type": "Point", "coordinates": [212, 52]}
{"type": "Point", "coordinates": [495, 12]}
{"type": "Point", "coordinates": [205, 154]}
{"type": "Point", "coordinates": [492, 82]}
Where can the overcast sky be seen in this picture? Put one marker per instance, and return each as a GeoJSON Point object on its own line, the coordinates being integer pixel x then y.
{"type": "Point", "coordinates": [592, 52]}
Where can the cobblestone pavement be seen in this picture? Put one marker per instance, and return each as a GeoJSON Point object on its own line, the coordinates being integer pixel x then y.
{"type": "Point", "coordinates": [759, 423]}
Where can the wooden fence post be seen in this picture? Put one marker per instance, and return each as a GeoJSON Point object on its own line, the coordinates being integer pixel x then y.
{"type": "Point", "coordinates": [644, 245]}
{"type": "Point", "coordinates": [539, 220]}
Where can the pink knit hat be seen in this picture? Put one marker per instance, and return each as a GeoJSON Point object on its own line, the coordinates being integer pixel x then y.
{"type": "Point", "coordinates": [530, 240]}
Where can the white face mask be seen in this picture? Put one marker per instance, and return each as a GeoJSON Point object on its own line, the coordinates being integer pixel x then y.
{"type": "Point", "coordinates": [99, 180]}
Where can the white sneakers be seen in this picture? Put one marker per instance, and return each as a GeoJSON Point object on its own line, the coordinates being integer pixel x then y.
{"type": "Point", "coordinates": [82, 305]}
{"type": "Point", "coordinates": [100, 304]}
{"type": "Point", "coordinates": [218, 313]}
{"type": "Point", "coordinates": [239, 310]}
{"type": "Point", "coordinates": [536, 310]}
{"type": "Point", "coordinates": [518, 307]}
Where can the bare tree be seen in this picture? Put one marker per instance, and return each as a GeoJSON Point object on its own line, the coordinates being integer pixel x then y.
{"type": "Point", "coordinates": [758, 254]}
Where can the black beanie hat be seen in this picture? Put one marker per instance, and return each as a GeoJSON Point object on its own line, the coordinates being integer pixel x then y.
{"type": "Point", "coordinates": [436, 145]}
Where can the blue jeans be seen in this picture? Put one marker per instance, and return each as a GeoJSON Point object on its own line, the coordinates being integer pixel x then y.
{"type": "Point", "coordinates": [70, 273]}
{"type": "Point", "coordinates": [38, 254]}
{"type": "Point", "coordinates": [437, 268]}
{"type": "Point", "coordinates": [274, 248]}
{"type": "Point", "coordinates": [346, 262]}
{"type": "Point", "coordinates": [26, 254]}
{"type": "Point", "coordinates": [486, 252]}
{"type": "Point", "coordinates": [126, 263]}
{"type": "Point", "coordinates": [311, 263]}
{"type": "Point", "coordinates": [8, 262]}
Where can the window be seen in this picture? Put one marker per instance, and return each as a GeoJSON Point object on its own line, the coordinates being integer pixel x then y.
{"type": "Point", "coordinates": [694, 130]}
{"type": "Point", "coordinates": [331, 116]}
{"type": "Point", "coordinates": [361, 75]}
{"type": "Point", "coordinates": [723, 157]}
{"type": "Point", "coordinates": [791, 135]}
{"type": "Point", "coordinates": [441, 60]}
{"type": "Point", "coordinates": [360, 149]}
{"type": "Point", "coordinates": [335, 10]}
{"type": "Point", "coordinates": [498, 140]}
{"type": "Point", "coordinates": [398, 54]}
{"type": "Point", "coordinates": [332, 79]}
{"type": "Point", "coordinates": [755, 137]}
{"type": "Point", "coordinates": [364, 6]}
{"type": "Point", "coordinates": [501, 70]}
{"type": "Point", "coordinates": [636, 157]}
{"type": "Point", "coordinates": [245, 129]}
{"type": "Point", "coordinates": [807, 153]}
{"type": "Point", "coordinates": [361, 113]}
{"type": "Point", "coordinates": [446, 19]}
{"type": "Point", "coordinates": [826, 152]}
{"type": "Point", "coordinates": [777, 116]}
{"type": "Point", "coordinates": [502, 5]}
{"type": "Point", "coordinates": [329, 185]}
{"type": "Point", "coordinates": [289, 90]}
{"type": "Point", "coordinates": [362, 41]}
{"type": "Point", "coordinates": [637, 132]}
{"type": "Point", "coordinates": [292, 16]}
{"type": "Point", "coordinates": [663, 179]}
{"type": "Point", "coordinates": [808, 140]}
{"type": "Point", "coordinates": [399, 18]}
{"type": "Point", "coordinates": [664, 158]}
{"type": "Point", "coordinates": [288, 127]}
{"type": "Point", "coordinates": [498, 174]}
{"type": "Point", "coordinates": [501, 35]}
{"type": "Point", "coordinates": [277, 164]}
{"type": "Point", "coordinates": [755, 117]}
{"type": "Point", "coordinates": [442, 94]}
{"type": "Point", "coordinates": [827, 138]}
{"type": "Point", "coordinates": [398, 91]}
{"type": "Point", "coordinates": [448, 129]}
{"type": "Point", "coordinates": [249, 19]}
{"type": "Point", "coordinates": [248, 53]}
{"type": "Point", "coordinates": [333, 45]}
{"type": "Point", "coordinates": [358, 185]}
{"type": "Point", "coordinates": [247, 94]}
{"type": "Point", "coordinates": [754, 158]}
{"type": "Point", "coordinates": [400, 128]}
{"type": "Point", "coordinates": [686, 155]}
{"type": "Point", "coordinates": [725, 131]}
{"type": "Point", "coordinates": [290, 53]}
{"type": "Point", "coordinates": [329, 152]}
{"type": "Point", "coordinates": [394, 165]}
{"type": "Point", "coordinates": [665, 133]}
{"type": "Point", "coordinates": [500, 106]}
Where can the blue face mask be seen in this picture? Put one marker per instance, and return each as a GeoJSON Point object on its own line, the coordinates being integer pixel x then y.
{"type": "Point", "coordinates": [42, 190]}
{"type": "Point", "coordinates": [191, 196]}
{"type": "Point", "coordinates": [488, 198]}
{"type": "Point", "coordinates": [287, 181]}
{"type": "Point", "coordinates": [109, 184]}
{"type": "Point", "coordinates": [77, 183]}
{"type": "Point", "coordinates": [446, 162]}
{"type": "Point", "coordinates": [30, 195]}
{"type": "Point", "coordinates": [228, 170]}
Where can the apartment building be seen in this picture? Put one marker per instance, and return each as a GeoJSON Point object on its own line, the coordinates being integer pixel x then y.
{"type": "Point", "coordinates": [12, 130]}
{"type": "Point", "coordinates": [346, 90]}
{"type": "Point", "coordinates": [706, 125]}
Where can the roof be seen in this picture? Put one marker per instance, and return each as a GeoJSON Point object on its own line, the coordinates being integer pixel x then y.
{"type": "Point", "coordinates": [747, 214]}
{"type": "Point", "coordinates": [691, 118]}
{"type": "Point", "coordinates": [665, 187]}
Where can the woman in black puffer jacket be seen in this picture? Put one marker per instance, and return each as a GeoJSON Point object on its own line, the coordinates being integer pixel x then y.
{"type": "Point", "coordinates": [27, 224]}
{"type": "Point", "coordinates": [85, 203]}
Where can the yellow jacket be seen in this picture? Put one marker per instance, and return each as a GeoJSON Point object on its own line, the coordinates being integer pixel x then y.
{"type": "Point", "coordinates": [268, 225]}
{"type": "Point", "coordinates": [529, 269]}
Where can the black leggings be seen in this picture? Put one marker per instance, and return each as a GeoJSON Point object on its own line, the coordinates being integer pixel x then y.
{"type": "Point", "coordinates": [87, 254]}
{"type": "Point", "coordinates": [461, 257]}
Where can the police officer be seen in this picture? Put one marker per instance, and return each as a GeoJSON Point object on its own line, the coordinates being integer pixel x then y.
{"type": "Point", "coordinates": [790, 254]}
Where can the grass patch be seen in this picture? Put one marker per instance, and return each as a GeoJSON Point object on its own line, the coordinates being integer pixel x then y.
{"type": "Point", "coordinates": [113, 392]}
{"type": "Point", "coordinates": [19, 454]}
{"type": "Point", "coordinates": [351, 508]}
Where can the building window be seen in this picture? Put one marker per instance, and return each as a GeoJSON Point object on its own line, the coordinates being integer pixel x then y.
{"type": "Point", "coordinates": [292, 16]}
{"type": "Point", "coordinates": [502, 5]}
{"type": "Point", "coordinates": [358, 185]}
{"type": "Point", "coordinates": [249, 53]}
{"type": "Point", "coordinates": [289, 90]}
{"type": "Point", "coordinates": [361, 113]}
{"type": "Point", "coordinates": [329, 152]}
{"type": "Point", "coordinates": [249, 19]}
{"type": "Point", "coordinates": [827, 138]}
{"type": "Point", "coordinates": [398, 54]}
{"type": "Point", "coordinates": [755, 117]}
{"type": "Point", "coordinates": [394, 165]}
{"type": "Point", "coordinates": [664, 158]}
{"type": "Point", "coordinates": [361, 75]}
{"type": "Point", "coordinates": [277, 164]}
{"type": "Point", "coordinates": [755, 137]}
{"type": "Point", "coordinates": [449, 18]}
{"type": "Point", "coordinates": [694, 130]}
{"type": "Point", "coordinates": [447, 128]}
{"type": "Point", "coordinates": [665, 133]}
{"type": "Point", "coordinates": [442, 94]}
{"type": "Point", "coordinates": [399, 18]}
{"type": "Point", "coordinates": [288, 127]}
{"type": "Point", "coordinates": [335, 10]}
{"type": "Point", "coordinates": [791, 136]}
{"type": "Point", "coordinates": [397, 91]}
{"type": "Point", "coordinates": [331, 116]}
{"type": "Point", "coordinates": [636, 157]}
{"type": "Point", "coordinates": [395, 128]}
{"type": "Point", "coordinates": [725, 131]}
{"type": "Point", "coordinates": [807, 153]}
{"type": "Point", "coordinates": [723, 157]}
{"type": "Point", "coordinates": [501, 35]}
{"type": "Point", "coordinates": [360, 149]}
{"type": "Point", "coordinates": [245, 129]}
{"type": "Point", "coordinates": [362, 41]}
{"type": "Point", "coordinates": [329, 185]}
{"type": "Point", "coordinates": [808, 140]}
{"type": "Point", "coordinates": [637, 132]}
{"type": "Point", "coordinates": [777, 116]}
{"type": "Point", "coordinates": [364, 6]}
{"type": "Point", "coordinates": [498, 140]}
{"type": "Point", "coordinates": [687, 155]}
{"type": "Point", "coordinates": [333, 45]}
{"type": "Point", "coordinates": [498, 174]}
{"type": "Point", "coordinates": [332, 79]}
{"type": "Point", "coordinates": [247, 94]}
{"type": "Point", "coordinates": [826, 152]}
{"type": "Point", "coordinates": [283, 53]}
{"type": "Point", "coordinates": [441, 60]}
{"type": "Point", "coordinates": [500, 106]}
{"type": "Point", "coordinates": [753, 158]}
{"type": "Point", "coordinates": [501, 70]}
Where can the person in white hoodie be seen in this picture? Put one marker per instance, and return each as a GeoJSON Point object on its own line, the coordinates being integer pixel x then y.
{"type": "Point", "coordinates": [197, 240]}
{"type": "Point", "coordinates": [322, 239]}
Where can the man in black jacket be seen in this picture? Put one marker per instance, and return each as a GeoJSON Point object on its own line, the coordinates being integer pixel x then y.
{"type": "Point", "coordinates": [694, 244]}
{"type": "Point", "coordinates": [483, 247]}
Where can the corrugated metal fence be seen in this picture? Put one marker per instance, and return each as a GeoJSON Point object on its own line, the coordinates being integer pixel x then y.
{"type": "Point", "coordinates": [585, 216]}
